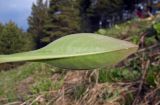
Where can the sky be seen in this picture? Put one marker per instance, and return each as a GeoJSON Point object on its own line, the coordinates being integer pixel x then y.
{"type": "Point", "coordinates": [16, 10]}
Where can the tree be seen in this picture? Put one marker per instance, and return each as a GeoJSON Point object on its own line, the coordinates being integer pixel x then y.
{"type": "Point", "coordinates": [1, 27]}
{"type": "Point", "coordinates": [64, 19]}
{"type": "Point", "coordinates": [94, 11]}
{"type": "Point", "coordinates": [13, 40]}
{"type": "Point", "coordinates": [37, 20]}
{"type": "Point", "coordinates": [85, 24]}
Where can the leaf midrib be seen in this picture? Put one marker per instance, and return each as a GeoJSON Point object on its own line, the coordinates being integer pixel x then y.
{"type": "Point", "coordinates": [27, 58]}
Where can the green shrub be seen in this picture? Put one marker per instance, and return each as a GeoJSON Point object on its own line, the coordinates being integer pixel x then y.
{"type": "Point", "coordinates": [118, 74]}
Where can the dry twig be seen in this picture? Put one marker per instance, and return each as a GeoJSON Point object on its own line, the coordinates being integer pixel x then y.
{"type": "Point", "coordinates": [142, 81]}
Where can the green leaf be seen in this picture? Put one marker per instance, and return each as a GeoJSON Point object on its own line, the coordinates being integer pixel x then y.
{"type": "Point", "coordinates": [78, 51]}
{"type": "Point", "coordinates": [157, 27]}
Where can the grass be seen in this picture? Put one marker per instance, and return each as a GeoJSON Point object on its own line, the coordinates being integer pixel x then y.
{"type": "Point", "coordinates": [33, 79]}
{"type": "Point", "coordinates": [33, 76]}
{"type": "Point", "coordinates": [79, 91]}
{"type": "Point", "coordinates": [128, 29]}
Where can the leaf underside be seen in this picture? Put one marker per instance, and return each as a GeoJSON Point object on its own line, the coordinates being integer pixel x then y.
{"type": "Point", "coordinates": [78, 51]}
